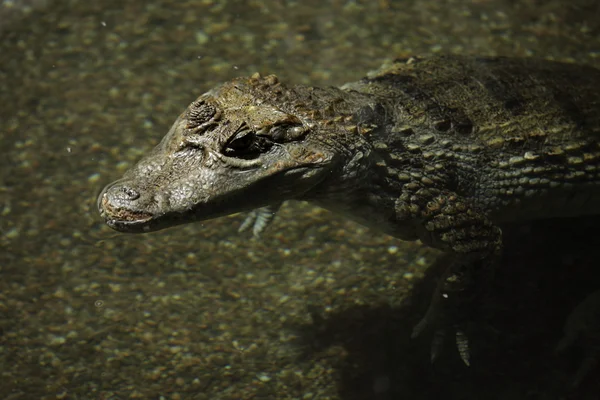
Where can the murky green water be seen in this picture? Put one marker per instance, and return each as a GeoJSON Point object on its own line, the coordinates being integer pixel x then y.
{"type": "Point", "coordinates": [316, 309]}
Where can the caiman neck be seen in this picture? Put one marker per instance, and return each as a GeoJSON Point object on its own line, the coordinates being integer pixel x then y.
{"type": "Point", "coordinates": [344, 123]}
{"type": "Point", "coordinates": [351, 124]}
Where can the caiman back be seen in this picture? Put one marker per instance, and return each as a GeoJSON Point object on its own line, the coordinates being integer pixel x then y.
{"type": "Point", "coordinates": [518, 137]}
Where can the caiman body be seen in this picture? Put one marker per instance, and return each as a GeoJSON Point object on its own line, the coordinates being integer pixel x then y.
{"type": "Point", "coordinates": [442, 149]}
{"type": "Point", "coordinates": [513, 139]}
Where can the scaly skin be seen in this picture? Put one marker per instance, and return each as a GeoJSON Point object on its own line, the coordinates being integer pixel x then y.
{"type": "Point", "coordinates": [441, 149]}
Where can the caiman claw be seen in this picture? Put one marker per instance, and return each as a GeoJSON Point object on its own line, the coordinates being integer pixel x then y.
{"type": "Point", "coordinates": [446, 308]}
{"type": "Point", "coordinates": [259, 219]}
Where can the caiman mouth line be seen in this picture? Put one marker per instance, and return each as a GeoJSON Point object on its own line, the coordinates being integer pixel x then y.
{"type": "Point", "coordinates": [121, 216]}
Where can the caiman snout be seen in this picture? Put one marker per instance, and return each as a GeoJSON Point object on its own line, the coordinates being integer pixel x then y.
{"type": "Point", "coordinates": [122, 204]}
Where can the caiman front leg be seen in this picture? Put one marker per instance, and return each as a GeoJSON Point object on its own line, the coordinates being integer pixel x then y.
{"type": "Point", "coordinates": [448, 222]}
{"type": "Point", "coordinates": [259, 219]}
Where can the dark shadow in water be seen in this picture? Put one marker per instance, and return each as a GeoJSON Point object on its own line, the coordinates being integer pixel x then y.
{"type": "Point", "coordinates": [547, 269]}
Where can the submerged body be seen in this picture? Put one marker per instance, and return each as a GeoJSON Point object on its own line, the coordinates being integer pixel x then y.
{"type": "Point", "coordinates": [441, 149]}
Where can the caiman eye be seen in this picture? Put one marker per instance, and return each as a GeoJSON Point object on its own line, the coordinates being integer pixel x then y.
{"type": "Point", "coordinates": [245, 144]}
{"type": "Point", "coordinates": [241, 141]}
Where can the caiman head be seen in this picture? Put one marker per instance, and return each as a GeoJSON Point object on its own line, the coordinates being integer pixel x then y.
{"type": "Point", "coordinates": [245, 144]}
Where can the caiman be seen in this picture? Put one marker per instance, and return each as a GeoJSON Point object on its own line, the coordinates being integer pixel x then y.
{"type": "Point", "coordinates": [444, 149]}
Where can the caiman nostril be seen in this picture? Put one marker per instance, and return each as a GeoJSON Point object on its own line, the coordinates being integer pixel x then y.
{"type": "Point", "coordinates": [132, 194]}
